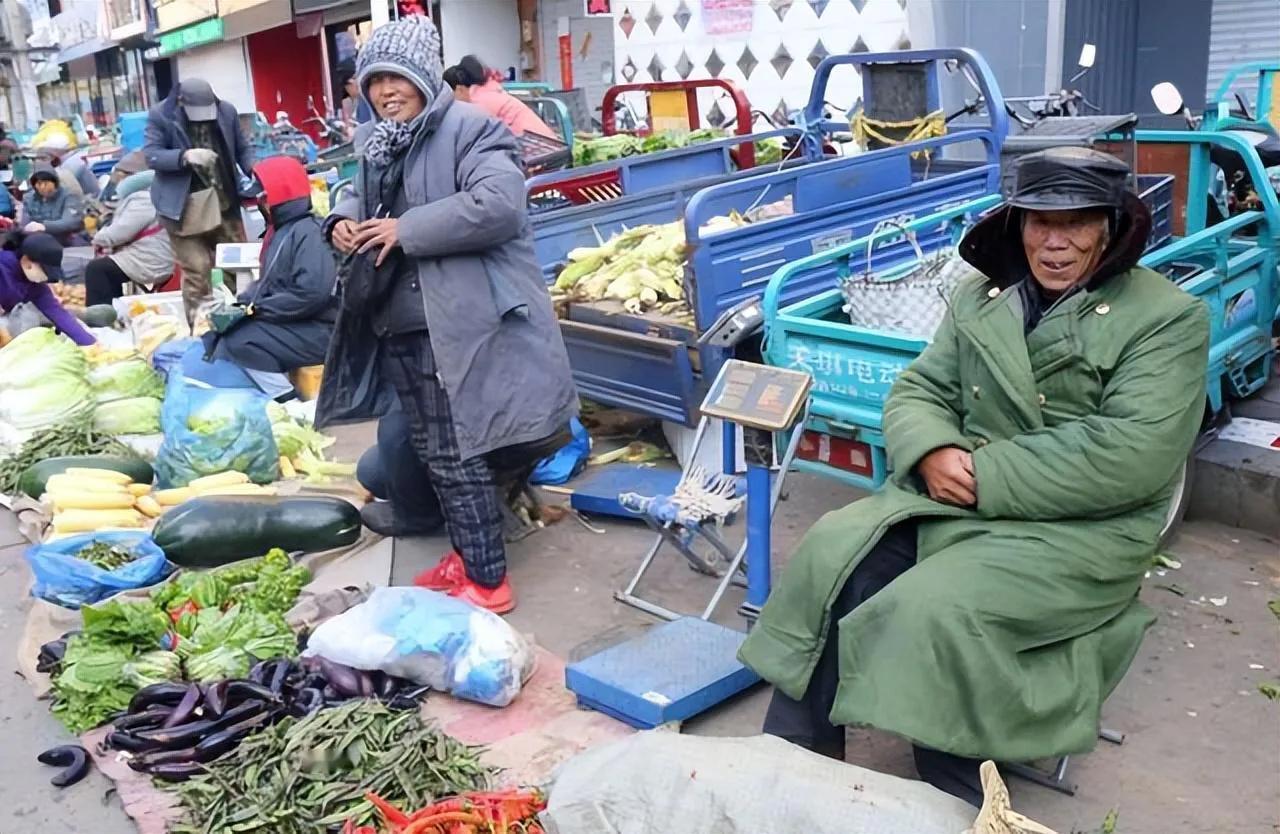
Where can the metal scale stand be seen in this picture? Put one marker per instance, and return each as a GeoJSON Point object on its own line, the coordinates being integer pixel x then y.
{"type": "Point", "coordinates": [688, 663]}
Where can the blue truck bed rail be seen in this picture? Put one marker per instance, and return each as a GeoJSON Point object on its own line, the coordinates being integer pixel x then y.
{"type": "Point", "coordinates": [854, 367]}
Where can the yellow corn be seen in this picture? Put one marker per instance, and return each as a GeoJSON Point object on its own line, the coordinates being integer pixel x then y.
{"type": "Point", "coordinates": [148, 506]}
{"type": "Point", "coordinates": [221, 479]}
{"type": "Point", "coordinates": [90, 500]}
{"type": "Point", "coordinates": [67, 483]}
{"type": "Point", "coordinates": [170, 497]}
{"type": "Point", "coordinates": [138, 490]}
{"type": "Point", "coordinates": [84, 521]}
{"type": "Point", "coordinates": [101, 474]}
{"type": "Point", "coordinates": [240, 489]}
{"type": "Point", "coordinates": [286, 468]}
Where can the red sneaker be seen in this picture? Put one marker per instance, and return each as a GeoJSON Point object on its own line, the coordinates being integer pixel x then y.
{"type": "Point", "coordinates": [444, 576]}
{"type": "Point", "coordinates": [499, 600]}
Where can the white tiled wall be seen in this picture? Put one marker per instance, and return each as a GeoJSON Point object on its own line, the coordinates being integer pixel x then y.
{"type": "Point", "coordinates": [773, 62]}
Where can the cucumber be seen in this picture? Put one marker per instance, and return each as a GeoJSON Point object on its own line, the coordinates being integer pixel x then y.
{"type": "Point", "coordinates": [99, 315]}
{"type": "Point", "coordinates": [215, 530]}
{"type": "Point", "coordinates": [32, 481]}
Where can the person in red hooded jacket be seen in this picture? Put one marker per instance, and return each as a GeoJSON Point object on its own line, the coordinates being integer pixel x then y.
{"type": "Point", "coordinates": [290, 309]}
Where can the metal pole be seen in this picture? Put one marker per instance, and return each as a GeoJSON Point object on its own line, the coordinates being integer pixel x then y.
{"type": "Point", "coordinates": [758, 534]}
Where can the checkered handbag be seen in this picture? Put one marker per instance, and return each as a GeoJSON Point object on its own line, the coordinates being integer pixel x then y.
{"type": "Point", "coordinates": [907, 299]}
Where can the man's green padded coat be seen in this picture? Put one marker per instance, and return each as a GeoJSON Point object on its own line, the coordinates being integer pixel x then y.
{"type": "Point", "coordinates": [1021, 615]}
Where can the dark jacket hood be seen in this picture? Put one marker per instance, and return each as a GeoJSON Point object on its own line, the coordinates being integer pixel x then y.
{"type": "Point", "coordinates": [994, 245]}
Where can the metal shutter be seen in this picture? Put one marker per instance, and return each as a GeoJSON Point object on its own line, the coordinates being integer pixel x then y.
{"type": "Point", "coordinates": [1241, 31]}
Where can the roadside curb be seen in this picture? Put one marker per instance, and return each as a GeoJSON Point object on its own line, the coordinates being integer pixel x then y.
{"type": "Point", "coordinates": [1237, 484]}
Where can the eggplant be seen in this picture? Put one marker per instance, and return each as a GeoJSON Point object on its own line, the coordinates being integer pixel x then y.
{"type": "Point", "coordinates": [148, 719]}
{"type": "Point", "coordinates": [128, 742]}
{"type": "Point", "coordinates": [407, 699]}
{"type": "Point", "coordinates": [385, 685]}
{"type": "Point", "coordinates": [179, 772]}
{"type": "Point", "coordinates": [188, 735]}
{"type": "Point", "coordinates": [258, 674]}
{"type": "Point", "coordinates": [186, 707]}
{"type": "Point", "coordinates": [167, 694]}
{"type": "Point", "coordinates": [145, 762]}
{"type": "Point", "coordinates": [72, 758]}
{"type": "Point", "coordinates": [240, 691]}
{"type": "Point", "coordinates": [366, 684]}
{"type": "Point", "coordinates": [278, 674]}
{"type": "Point", "coordinates": [215, 699]}
{"type": "Point", "coordinates": [213, 746]}
{"type": "Point", "coordinates": [344, 679]}
{"type": "Point", "coordinates": [306, 701]}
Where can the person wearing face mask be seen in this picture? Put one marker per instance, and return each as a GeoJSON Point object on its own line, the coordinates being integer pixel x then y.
{"type": "Point", "coordinates": [28, 262]}
{"type": "Point", "coordinates": [984, 603]}
{"type": "Point", "coordinates": [194, 143]}
{"type": "Point", "coordinates": [289, 311]}
{"type": "Point", "coordinates": [443, 305]}
{"type": "Point", "coordinates": [48, 207]}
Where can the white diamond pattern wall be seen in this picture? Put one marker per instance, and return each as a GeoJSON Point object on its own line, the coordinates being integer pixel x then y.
{"type": "Point", "coordinates": [784, 42]}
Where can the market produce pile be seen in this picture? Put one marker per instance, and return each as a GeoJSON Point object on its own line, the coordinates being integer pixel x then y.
{"type": "Point", "coordinates": [307, 774]}
{"type": "Point", "coordinates": [202, 625]}
{"type": "Point", "coordinates": [643, 267]}
{"type": "Point", "coordinates": [46, 381]}
{"type": "Point", "coordinates": [502, 812]}
{"type": "Point", "coordinates": [589, 149]}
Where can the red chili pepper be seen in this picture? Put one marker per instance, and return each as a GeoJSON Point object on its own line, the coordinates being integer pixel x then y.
{"type": "Point", "coordinates": [433, 824]}
{"type": "Point", "coordinates": [391, 814]}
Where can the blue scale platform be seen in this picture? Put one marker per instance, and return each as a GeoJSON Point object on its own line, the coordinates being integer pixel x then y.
{"type": "Point", "coordinates": [671, 673]}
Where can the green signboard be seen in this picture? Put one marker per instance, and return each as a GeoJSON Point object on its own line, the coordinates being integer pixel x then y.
{"type": "Point", "coordinates": [209, 31]}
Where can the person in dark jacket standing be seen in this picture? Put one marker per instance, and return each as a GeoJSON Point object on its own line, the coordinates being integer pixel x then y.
{"type": "Point", "coordinates": [194, 142]}
{"type": "Point", "coordinates": [443, 301]}
{"type": "Point", "coordinates": [48, 207]}
{"type": "Point", "coordinates": [290, 309]}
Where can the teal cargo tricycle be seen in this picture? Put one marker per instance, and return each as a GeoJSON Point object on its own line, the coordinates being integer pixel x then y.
{"type": "Point", "coordinates": [1231, 265]}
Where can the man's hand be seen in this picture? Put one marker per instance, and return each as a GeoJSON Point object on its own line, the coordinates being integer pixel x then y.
{"type": "Point", "coordinates": [199, 157]}
{"type": "Point", "coordinates": [343, 236]}
{"type": "Point", "coordinates": [371, 234]}
{"type": "Point", "coordinates": [948, 473]}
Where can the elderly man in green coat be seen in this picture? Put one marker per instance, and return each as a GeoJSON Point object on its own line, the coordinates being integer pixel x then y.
{"type": "Point", "coordinates": [984, 603]}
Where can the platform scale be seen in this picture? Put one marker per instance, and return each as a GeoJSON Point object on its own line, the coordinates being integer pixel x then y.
{"type": "Point", "coordinates": [688, 664]}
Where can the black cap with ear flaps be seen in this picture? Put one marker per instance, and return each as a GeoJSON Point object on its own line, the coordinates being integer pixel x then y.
{"type": "Point", "coordinates": [1060, 179]}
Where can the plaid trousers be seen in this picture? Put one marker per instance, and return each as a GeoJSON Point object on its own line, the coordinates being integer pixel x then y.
{"type": "Point", "coordinates": [467, 489]}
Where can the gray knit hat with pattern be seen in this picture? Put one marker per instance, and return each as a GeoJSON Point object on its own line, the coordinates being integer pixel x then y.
{"type": "Point", "coordinates": [408, 47]}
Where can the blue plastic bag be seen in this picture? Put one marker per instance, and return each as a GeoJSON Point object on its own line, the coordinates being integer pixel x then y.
{"type": "Point", "coordinates": [432, 639]}
{"type": "Point", "coordinates": [212, 430]}
{"type": "Point", "coordinates": [63, 579]}
{"type": "Point", "coordinates": [566, 462]}
{"type": "Point", "coordinates": [187, 356]}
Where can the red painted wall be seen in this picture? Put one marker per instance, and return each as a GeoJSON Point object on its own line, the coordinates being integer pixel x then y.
{"type": "Point", "coordinates": [286, 69]}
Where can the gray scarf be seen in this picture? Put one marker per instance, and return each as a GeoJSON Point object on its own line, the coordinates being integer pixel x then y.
{"type": "Point", "coordinates": [389, 139]}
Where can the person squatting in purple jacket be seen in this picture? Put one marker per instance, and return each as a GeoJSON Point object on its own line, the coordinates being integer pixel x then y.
{"type": "Point", "coordinates": [27, 264]}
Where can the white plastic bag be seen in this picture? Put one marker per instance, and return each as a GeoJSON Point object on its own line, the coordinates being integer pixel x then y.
{"type": "Point", "coordinates": [432, 639]}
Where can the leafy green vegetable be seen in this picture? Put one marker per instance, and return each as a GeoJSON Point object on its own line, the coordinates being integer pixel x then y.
{"type": "Point", "coordinates": [118, 651]}
{"type": "Point", "coordinates": [153, 667]}
{"type": "Point", "coordinates": [124, 380]}
{"type": "Point", "coordinates": [36, 354]}
{"type": "Point", "coordinates": [135, 624]}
